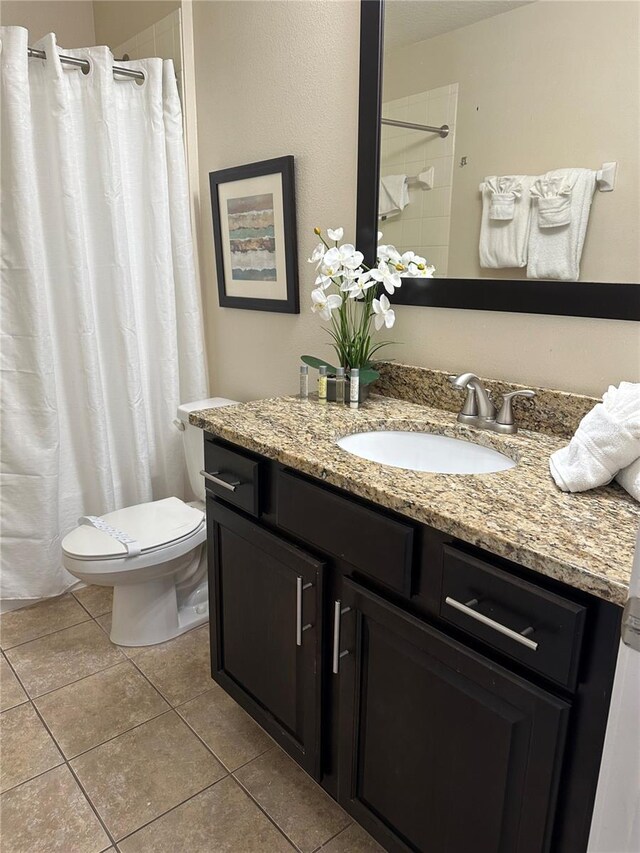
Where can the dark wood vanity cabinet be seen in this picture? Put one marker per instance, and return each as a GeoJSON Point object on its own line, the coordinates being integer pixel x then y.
{"type": "Point", "coordinates": [441, 749]}
{"type": "Point", "coordinates": [266, 629]}
{"type": "Point", "coordinates": [335, 623]}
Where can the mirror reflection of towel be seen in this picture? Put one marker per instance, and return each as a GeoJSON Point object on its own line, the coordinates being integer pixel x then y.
{"type": "Point", "coordinates": [557, 236]}
{"type": "Point", "coordinates": [506, 216]}
{"type": "Point", "coordinates": [393, 196]}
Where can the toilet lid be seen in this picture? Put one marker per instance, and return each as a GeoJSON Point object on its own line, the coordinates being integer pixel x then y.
{"type": "Point", "coordinates": [151, 525]}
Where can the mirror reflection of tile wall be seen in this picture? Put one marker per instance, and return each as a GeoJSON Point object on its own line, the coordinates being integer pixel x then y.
{"type": "Point", "coordinates": [423, 225]}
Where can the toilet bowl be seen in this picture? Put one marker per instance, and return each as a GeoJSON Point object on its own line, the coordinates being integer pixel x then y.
{"type": "Point", "coordinates": [152, 554]}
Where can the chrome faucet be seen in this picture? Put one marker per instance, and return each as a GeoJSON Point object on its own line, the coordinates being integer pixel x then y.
{"type": "Point", "coordinates": [478, 408]}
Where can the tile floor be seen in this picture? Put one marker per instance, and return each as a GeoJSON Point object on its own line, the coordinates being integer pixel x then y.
{"type": "Point", "coordinates": [138, 750]}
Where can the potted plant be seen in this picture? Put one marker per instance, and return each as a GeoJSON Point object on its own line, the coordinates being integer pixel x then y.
{"type": "Point", "coordinates": [352, 297]}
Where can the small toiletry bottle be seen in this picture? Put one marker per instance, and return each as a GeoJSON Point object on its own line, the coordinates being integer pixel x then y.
{"type": "Point", "coordinates": [322, 383]}
{"type": "Point", "coordinates": [354, 387]}
{"type": "Point", "coordinates": [304, 382]}
{"type": "Point", "coordinates": [340, 383]}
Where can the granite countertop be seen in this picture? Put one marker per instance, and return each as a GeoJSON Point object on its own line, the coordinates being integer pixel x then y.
{"type": "Point", "coordinates": [585, 540]}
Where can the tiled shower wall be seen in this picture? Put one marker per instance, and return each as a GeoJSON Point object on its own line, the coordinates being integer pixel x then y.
{"type": "Point", "coordinates": [423, 226]}
{"type": "Point", "coordinates": [163, 39]}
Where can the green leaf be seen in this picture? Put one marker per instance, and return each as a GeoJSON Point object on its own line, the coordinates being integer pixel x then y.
{"type": "Point", "coordinates": [367, 375]}
{"type": "Point", "coordinates": [314, 362]}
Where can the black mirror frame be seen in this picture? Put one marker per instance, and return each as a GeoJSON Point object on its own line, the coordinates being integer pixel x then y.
{"type": "Point", "coordinates": [569, 299]}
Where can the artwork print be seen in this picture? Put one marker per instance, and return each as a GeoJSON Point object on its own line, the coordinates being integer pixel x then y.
{"type": "Point", "coordinates": [253, 207]}
{"type": "Point", "coordinates": [252, 241]}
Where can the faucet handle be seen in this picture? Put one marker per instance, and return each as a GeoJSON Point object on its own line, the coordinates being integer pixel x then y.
{"type": "Point", "coordinates": [505, 415]}
{"type": "Point", "coordinates": [470, 406]}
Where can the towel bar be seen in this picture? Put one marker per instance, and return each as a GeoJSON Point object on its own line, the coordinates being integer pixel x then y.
{"type": "Point", "coordinates": [605, 178]}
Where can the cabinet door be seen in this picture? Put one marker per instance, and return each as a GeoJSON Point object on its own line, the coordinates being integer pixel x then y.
{"type": "Point", "coordinates": [441, 751]}
{"type": "Point", "coordinates": [266, 629]}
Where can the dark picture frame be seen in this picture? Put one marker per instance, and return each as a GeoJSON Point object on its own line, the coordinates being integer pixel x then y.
{"type": "Point", "coordinates": [617, 301]}
{"type": "Point", "coordinates": [255, 236]}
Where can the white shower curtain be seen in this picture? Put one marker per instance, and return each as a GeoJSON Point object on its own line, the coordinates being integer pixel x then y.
{"type": "Point", "coordinates": [101, 321]}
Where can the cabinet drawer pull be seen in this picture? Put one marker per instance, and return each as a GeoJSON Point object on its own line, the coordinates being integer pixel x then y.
{"type": "Point", "coordinates": [299, 628]}
{"type": "Point", "coordinates": [468, 610]}
{"type": "Point", "coordinates": [338, 612]}
{"type": "Point", "coordinates": [216, 478]}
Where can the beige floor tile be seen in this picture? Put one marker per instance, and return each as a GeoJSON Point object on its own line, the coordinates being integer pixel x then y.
{"type": "Point", "coordinates": [58, 659]}
{"type": "Point", "coordinates": [139, 775]}
{"type": "Point", "coordinates": [96, 599]}
{"type": "Point", "coordinates": [50, 814]}
{"type": "Point", "coordinates": [26, 745]}
{"type": "Point", "coordinates": [27, 623]}
{"type": "Point", "coordinates": [11, 694]}
{"type": "Point", "coordinates": [304, 812]}
{"type": "Point", "coordinates": [95, 709]}
{"type": "Point", "coordinates": [353, 839]}
{"type": "Point", "coordinates": [180, 669]}
{"type": "Point", "coordinates": [221, 819]}
{"type": "Point", "coordinates": [225, 727]}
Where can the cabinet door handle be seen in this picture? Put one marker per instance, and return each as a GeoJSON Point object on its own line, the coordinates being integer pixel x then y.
{"type": "Point", "coordinates": [216, 478]}
{"type": "Point", "coordinates": [300, 588]}
{"type": "Point", "coordinates": [338, 612]}
{"type": "Point", "coordinates": [468, 610]}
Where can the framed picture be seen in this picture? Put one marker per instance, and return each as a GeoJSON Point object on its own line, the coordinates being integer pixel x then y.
{"type": "Point", "coordinates": [254, 229]}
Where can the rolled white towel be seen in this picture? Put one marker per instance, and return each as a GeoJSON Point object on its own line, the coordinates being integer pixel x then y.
{"type": "Point", "coordinates": [629, 479]}
{"type": "Point", "coordinates": [606, 441]}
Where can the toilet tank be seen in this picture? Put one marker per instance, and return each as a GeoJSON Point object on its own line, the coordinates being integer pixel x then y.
{"type": "Point", "coordinates": [193, 441]}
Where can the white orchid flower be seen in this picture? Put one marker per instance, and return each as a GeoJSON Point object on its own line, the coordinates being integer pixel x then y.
{"type": "Point", "coordinates": [359, 287]}
{"type": "Point", "coordinates": [427, 271]}
{"type": "Point", "coordinates": [330, 268]}
{"type": "Point", "coordinates": [323, 304]}
{"type": "Point", "coordinates": [388, 278]}
{"type": "Point", "coordinates": [379, 236]}
{"type": "Point", "coordinates": [317, 255]}
{"type": "Point", "coordinates": [384, 313]}
{"type": "Point", "coordinates": [389, 254]}
{"type": "Point", "coordinates": [344, 256]}
{"type": "Point", "coordinates": [335, 234]}
{"type": "Point", "coordinates": [349, 276]}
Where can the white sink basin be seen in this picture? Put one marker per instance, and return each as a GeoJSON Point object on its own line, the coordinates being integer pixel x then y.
{"type": "Point", "coordinates": [422, 451]}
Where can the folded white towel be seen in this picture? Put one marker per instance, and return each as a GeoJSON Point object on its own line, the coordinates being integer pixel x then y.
{"type": "Point", "coordinates": [506, 216]}
{"type": "Point", "coordinates": [629, 479]}
{"type": "Point", "coordinates": [606, 441]}
{"type": "Point", "coordinates": [562, 201]}
{"type": "Point", "coordinates": [393, 195]}
{"type": "Point", "coordinates": [553, 196]}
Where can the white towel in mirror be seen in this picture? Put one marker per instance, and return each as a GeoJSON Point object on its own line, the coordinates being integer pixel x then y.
{"type": "Point", "coordinates": [506, 216]}
{"type": "Point", "coordinates": [559, 226]}
{"type": "Point", "coordinates": [393, 195]}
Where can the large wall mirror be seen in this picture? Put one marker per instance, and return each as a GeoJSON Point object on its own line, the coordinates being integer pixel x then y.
{"type": "Point", "coordinates": [500, 140]}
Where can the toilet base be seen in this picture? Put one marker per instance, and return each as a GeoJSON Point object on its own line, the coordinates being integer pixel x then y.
{"type": "Point", "coordinates": [157, 610]}
{"type": "Point", "coordinates": [147, 613]}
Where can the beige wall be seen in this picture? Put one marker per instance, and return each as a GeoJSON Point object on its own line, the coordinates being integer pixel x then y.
{"type": "Point", "coordinates": [275, 78]}
{"type": "Point", "coordinates": [70, 20]}
{"type": "Point", "coordinates": [118, 20]}
{"type": "Point", "coordinates": [289, 85]}
{"type": "Point", "coordinates": [544, 86]}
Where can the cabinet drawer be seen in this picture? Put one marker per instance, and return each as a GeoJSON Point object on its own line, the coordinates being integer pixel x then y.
{"type": "Point", "coordinates": [536, 627]}
{"type": "Point", "coordinates": [372, 543]}
{"type": "Point", "coordinates": [232, 476]}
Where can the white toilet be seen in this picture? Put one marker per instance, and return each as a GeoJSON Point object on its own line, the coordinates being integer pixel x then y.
{"type": "Point", "coordinates": [153, 554]}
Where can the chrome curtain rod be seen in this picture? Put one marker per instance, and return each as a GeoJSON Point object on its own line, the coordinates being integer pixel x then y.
{"type": "Point", "coordinates": [85, 64]}
{"type": "Point", "coordinates": [442, 131]}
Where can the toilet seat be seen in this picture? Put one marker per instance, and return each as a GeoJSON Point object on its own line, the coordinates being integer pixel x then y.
{"type": "Point", "coordinates": [151, 526]}
{"type": "Point", "coordinates": [166, 530]}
